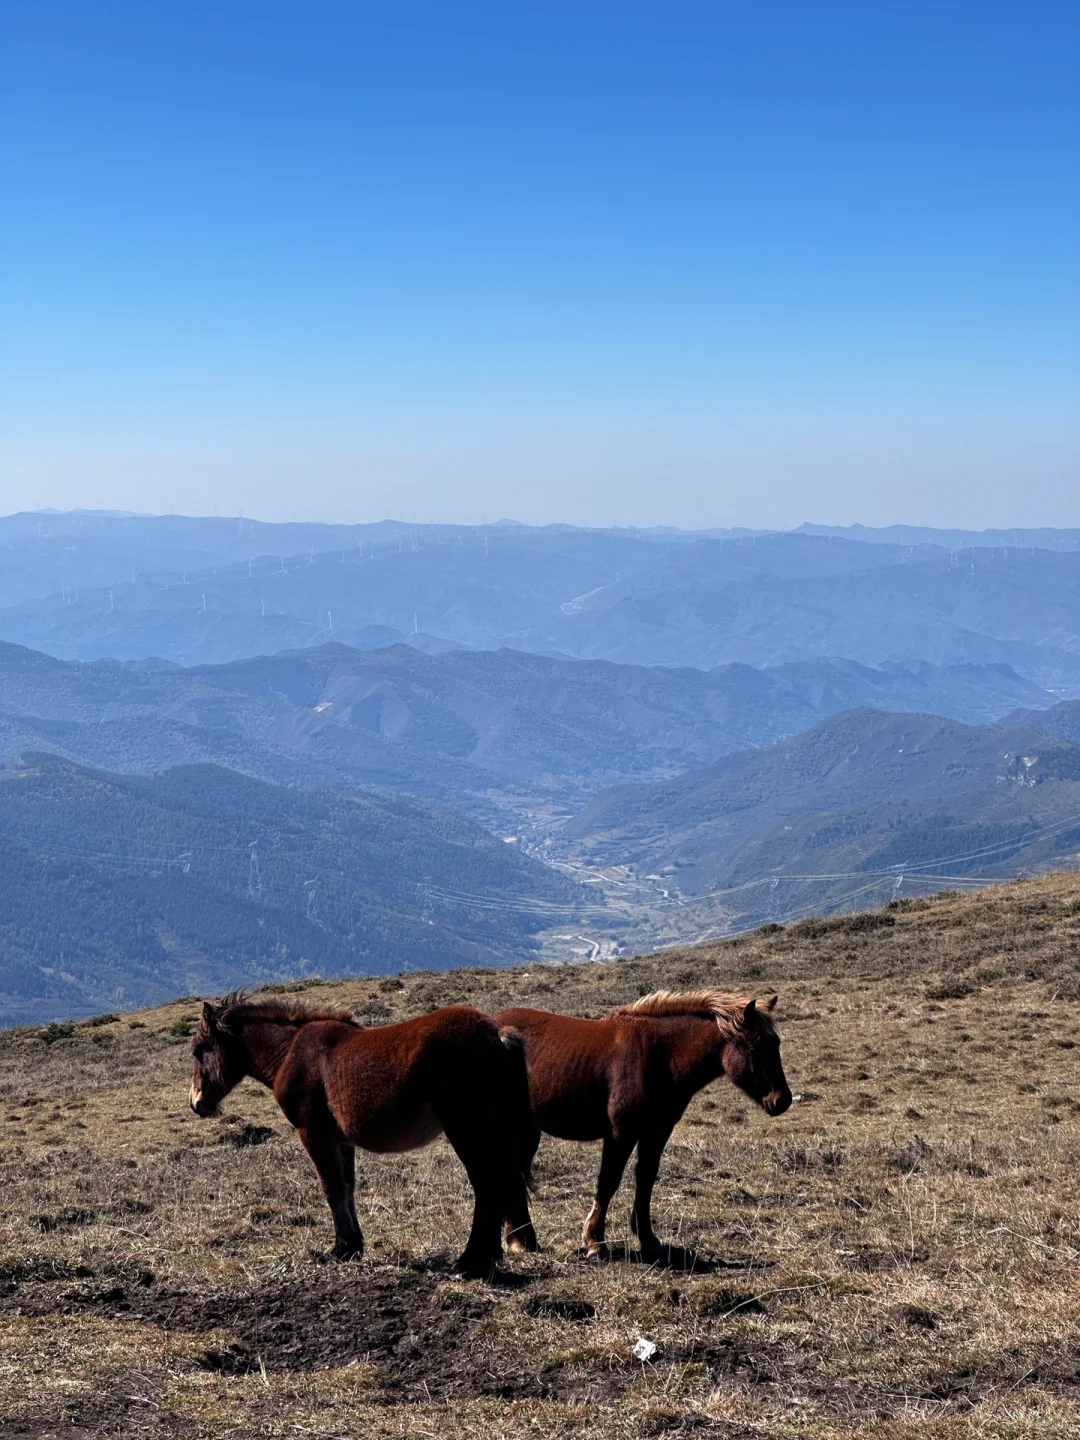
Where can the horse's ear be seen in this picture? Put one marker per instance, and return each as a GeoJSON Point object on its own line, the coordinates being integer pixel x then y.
{"type": "Point", "coordinates": [749, 1014]}
{"type": "Point", "coordinates": [770, 1003]}
{"type": "Point", "coordinates": [209, 1016]}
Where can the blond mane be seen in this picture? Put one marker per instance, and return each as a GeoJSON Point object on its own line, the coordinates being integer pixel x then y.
{"type": "Point", "coordinates": [726, 1010]}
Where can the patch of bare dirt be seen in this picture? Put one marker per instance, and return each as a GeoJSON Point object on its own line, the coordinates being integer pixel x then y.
{"type": "Point", "coordinates": [116, 1415]}
{"type": "Point", "coordinates": [395, 1319]}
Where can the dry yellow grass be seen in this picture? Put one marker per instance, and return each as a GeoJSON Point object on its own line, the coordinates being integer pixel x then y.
{"type": "Point", "coordinates": [902, 1249]}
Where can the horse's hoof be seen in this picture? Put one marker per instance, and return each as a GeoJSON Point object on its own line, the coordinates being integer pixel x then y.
{"type": "Point", "coordinates": [598, 1250]}
{"type": "Point", "coordinates": [467, 1267]}
{"type": "Point", "coordinates": [342, 1253]}
{"type": "Point", "coordinates": [522, 1244]}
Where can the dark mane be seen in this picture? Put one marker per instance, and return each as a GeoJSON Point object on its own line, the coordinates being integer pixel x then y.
{"type": "Point", "coordinates": [236, 1010]}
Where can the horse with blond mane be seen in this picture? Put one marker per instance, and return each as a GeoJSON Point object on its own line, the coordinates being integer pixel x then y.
{"type": "Point", "coordinates": [388, 1089]}
{"type": "Point", "coordinates": [628, 1078]}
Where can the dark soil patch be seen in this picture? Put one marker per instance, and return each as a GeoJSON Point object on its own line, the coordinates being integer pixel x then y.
{"type": "Point", "coordinates": [560, 1307]}
{"type": "Point", "coordinates": [728, 1302]}
{"type": "Point", "coordinates": [338, 1315]}
{"type": "Point", "coordinates": [63, 1220]}
{"type": "Point", "coordinates": [114, 1413]}
{"type": "Point", "coordinates": [727, 1360]}
{"type": "Point", "coordinates": [41, 1270]}
{"type": "Point", "coordinates": [243, 1136]}
{"type": "Point", "coordinates": [918, 1317]}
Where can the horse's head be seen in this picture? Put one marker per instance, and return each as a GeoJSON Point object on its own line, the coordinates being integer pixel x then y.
{"type": "Point", "coordinates": [217, 1063]}
{"type": "Point", "coordinates": [752, 1058]}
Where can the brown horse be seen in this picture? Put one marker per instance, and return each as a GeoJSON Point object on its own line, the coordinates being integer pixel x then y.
{"type": "Point", "coordinates": [627, 1079]}
{"type": "Point", "coordinates": [387, 1089]}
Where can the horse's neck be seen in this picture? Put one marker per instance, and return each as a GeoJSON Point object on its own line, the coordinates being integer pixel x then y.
{"type": "Point", "coordinates": [697, 1052]}
{"type": "Point", "coordinates": [267, 1043]}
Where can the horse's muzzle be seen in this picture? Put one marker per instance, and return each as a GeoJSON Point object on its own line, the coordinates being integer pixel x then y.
{"type": "Point", "coordinates": [776, 1102]}
{"type": "Point", "coordinates": [198, 1104]}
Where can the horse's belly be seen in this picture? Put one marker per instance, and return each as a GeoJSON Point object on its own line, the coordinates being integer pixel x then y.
{"type": "Point", "coordinates": [394, 1133]}
{"type": "Point", "coordinates": [571, 1121]}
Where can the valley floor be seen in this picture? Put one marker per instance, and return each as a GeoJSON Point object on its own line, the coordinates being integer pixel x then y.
{"type": "Point", "coordinates": [898, 1256]}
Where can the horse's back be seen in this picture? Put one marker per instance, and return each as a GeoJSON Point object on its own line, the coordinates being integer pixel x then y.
{"type": "Point", "coordinates": [548, 1026]}
{"type": "Point", "coordinates": [387, 1086]}
{"type": "Point", "coordinates": [573, 1066]}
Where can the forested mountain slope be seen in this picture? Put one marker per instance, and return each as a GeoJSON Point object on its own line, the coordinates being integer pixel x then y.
{"type": "Point", "coordinates": [116, 890]}
{"type": "Point", "coordinates": [1062, 720]}
{"type": "Point", "coordinates": [865, 799]}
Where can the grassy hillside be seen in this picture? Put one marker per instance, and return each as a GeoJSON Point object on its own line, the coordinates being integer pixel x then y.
{"type": "Point", "coordinates": [896, 1257]}
{"type": "Point", "coordinates": [126, 889]}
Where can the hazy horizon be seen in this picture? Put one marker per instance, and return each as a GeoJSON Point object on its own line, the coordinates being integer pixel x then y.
{"type": "Point", "coordinates": [495, 521]}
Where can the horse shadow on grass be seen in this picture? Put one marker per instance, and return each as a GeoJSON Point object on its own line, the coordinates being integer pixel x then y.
{"type": "Point", "coordinates": [678, 1258]}
{"type": "Point", "coordinates": [441, 1267]}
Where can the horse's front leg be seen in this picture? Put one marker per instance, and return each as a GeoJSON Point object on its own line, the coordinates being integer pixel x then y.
{"type": "Point", "coordinates": [650, 1149]}
{"type": "Point", "coordinates": [354, 1239]}
{"type": "Point", "coordinates": [335, 1163]}
{"type": "Point", "coordinates": [613, 1160]}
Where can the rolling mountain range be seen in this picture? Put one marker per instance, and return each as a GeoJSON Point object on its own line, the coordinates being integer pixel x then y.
{"type": "Point", "coordinates": [863, 801]}
{"type": "Point", "coordinates": [475, 730]}
{"type": "Point", "coordinates": [245, 751]}
{"type": "Point", "coordinates": [50, 551]}
{"type": "Point", "coordinates": [116, 890]}
{"type": "Point", "coordinates": [641, 597]}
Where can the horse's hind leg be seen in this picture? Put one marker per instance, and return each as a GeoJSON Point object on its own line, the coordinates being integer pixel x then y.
{"type": "Point", "coordinates": [336, 1166]}
{"type": "Point", "coordinates": [650, 1149]}
{"type": "Point", "coordinates": [483, 1251]}
{"type": "Point", "coordinates": [612, 1164]}
{"type": "Point", "coordinates": [520, 1234]}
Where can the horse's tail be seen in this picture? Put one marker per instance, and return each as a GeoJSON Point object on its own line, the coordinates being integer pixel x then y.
{"type": "Point", "coordinates": [521, 1116]}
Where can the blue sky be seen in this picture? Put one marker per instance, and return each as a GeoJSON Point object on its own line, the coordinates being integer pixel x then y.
{"type": "Point", "coordinates": [689, 263]}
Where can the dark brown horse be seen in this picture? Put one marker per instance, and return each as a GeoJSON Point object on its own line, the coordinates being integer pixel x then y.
{"type": "Point", "coordinates": [388, 1089]}
{"type": "Point", "coordinates": [627, 1079]}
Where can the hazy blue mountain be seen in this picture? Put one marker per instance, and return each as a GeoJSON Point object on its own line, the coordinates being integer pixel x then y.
{"type": "Point", "coordinates": [630, 597]}
{"type": "Point", "coordinates": [1043, 538]}
{"type": "Point", "coordinates": [48, 552]}
{"type": "Point", "coordinates": [462, 727]}
{"type": "Point", "coordinates": [121, 890]}
{"type": "Point", "coordinates": [1062, 720]}
{"type": "Point", "coordinates": [807, 822]}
